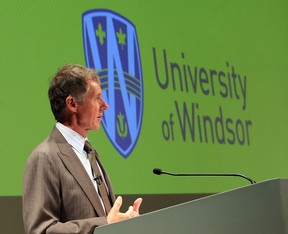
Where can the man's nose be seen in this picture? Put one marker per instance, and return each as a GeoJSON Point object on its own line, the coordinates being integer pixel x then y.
{"type": "Point", "coordinates": [105, 105]}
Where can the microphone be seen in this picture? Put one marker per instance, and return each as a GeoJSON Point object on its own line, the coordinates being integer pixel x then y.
{"type": "Point", "coordinates": [98, 179]}
{"type": "Point", "coordinates": [158, 171]}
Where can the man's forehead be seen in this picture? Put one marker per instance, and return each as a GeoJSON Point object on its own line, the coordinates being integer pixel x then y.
{"type": "Point", "coordinates": [94, 86]}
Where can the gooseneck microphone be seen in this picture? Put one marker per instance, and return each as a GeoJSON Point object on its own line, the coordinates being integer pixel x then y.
{"type": "Point", "coordinates": [158, 171]}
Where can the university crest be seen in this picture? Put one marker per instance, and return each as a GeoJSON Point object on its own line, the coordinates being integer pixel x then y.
{"type": "Point", "coordinates": [111, 48]}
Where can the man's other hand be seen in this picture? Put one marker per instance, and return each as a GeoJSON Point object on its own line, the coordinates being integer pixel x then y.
{"type": "Point", "coordinates": [115, 215]}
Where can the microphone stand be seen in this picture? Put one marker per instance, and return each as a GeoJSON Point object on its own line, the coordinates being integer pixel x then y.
{"type": "Point", "coordinates": [158, 171]}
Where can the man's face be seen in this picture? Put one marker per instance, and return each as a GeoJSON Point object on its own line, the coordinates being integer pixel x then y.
{"type": "Point", "coordinates": [90, 111]}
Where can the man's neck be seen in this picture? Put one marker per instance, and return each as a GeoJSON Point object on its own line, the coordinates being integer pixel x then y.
{"type": "Point", "coordinates": [75, 127]}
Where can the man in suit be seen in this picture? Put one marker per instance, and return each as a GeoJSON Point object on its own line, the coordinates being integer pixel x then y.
{"type": "Point", "coordinates": [60, 194]}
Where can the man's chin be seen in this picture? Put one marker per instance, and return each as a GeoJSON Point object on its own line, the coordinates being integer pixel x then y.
{"type": "Point", "coordinates": [97, 127]}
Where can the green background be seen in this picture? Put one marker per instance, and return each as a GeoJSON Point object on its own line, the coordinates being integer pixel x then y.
{"type": "Point", "coordinates": [37, 37]}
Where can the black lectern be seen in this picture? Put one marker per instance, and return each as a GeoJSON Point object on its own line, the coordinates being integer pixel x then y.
{"type": "Point", "coordinates": [260, 208]}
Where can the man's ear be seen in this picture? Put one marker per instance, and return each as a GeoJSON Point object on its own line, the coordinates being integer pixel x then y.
{"type": "Point", "coordinates": [71, 103]}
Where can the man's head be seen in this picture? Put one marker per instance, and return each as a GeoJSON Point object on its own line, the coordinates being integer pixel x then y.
{"type": "Point", "coordinates": [76, 97]}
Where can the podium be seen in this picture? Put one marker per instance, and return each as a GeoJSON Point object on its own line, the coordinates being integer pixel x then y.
{"type": "Point", "coordinates": [260, 208]}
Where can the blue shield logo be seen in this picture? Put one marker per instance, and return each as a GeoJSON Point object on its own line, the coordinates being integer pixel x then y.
{"type": "Point", "coordinates": [111, 48]}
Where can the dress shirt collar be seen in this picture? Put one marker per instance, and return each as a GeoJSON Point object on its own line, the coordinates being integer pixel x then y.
{"type": "Point", "coordinates": [72, 137]}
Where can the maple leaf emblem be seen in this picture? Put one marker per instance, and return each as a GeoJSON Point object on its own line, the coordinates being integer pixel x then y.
{"type": "Point", "coordinates": [100, 34]}
{"type": "Point", "coordinates": [121, 38]}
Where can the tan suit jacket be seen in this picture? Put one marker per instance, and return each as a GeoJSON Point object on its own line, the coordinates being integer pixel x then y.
{"type": "Point", "coordinates": [58, 195]}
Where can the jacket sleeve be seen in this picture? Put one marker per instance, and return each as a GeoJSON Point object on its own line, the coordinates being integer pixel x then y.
{"type": "Point", "coordinates": [42, 200]}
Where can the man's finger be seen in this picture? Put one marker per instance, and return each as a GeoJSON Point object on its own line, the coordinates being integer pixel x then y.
{"type": "Point", "coordinates": [137, 204]}
{"type": "Point", "coordinates": [117, 205]}
{"type": "Point", "coordinates": [130, 211]}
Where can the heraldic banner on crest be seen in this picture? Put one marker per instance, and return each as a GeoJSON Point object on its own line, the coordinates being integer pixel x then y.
{"type": "Point", "coordinates": [111, 48]}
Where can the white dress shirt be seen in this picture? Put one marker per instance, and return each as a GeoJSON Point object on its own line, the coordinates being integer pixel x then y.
{"type": "Point", "coordinates": [77, 143]}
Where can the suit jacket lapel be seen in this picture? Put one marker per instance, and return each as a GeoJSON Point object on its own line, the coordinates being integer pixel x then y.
{"type": "Point", "coordinates": [75, 167]}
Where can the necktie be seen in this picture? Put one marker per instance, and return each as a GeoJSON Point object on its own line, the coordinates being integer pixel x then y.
{"type": "Point", "coordinates": [98, 177]}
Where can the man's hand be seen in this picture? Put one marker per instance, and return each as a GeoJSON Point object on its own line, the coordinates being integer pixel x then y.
{"type": "Point", "coordinates": [115, 215]}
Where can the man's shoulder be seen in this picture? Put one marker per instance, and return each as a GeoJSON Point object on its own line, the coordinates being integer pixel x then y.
{"type": "Point", "coordinates": [47, 148]}
{"type": "Point", "coordinates": [50, 143]}
{"type": "Point", "coordinates": [46, 145]}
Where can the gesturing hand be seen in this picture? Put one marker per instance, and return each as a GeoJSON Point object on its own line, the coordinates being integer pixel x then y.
{"type": "Point", "coordinates": [115, 215]}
